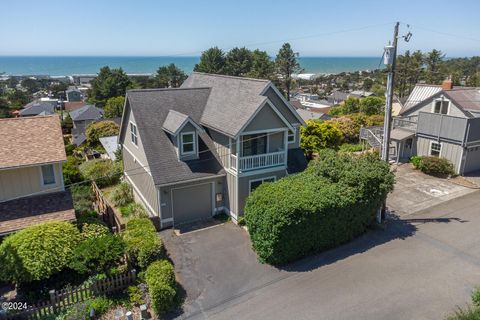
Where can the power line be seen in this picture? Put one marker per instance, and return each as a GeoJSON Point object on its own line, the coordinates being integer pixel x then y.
{"type": "Point", "coordinates": [445, 33]}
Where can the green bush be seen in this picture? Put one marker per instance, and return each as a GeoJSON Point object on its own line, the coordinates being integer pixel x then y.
{"type": "Point", "coordinates": [98, 254]}
{"type": "Point", "coordinates": [436, 166]}
{"type": "Point", "coordinates": [160, 278]}
{"type": "Point", "coordinates": [133, 210]}
{"type": "Point", "coordinates": [37, 252]}
{"type": "Point", "coordinates": [94, 230]}
{"type": "Point", "coordinates": [88, 217]}
{"type": "Point", "coordinates": [333, 201]}
{"type": "Point", "coordinates": [416, 161]}
{"type": "Point", "coordinates": [121, 195]}
{"type": "Point", "coordinates": [476, 297]}
{"type": "Point", "coordinates": [101, 305]}
{"type": "Point", "coordinates": [135, 295]}
{"type": "Point", "coordinates": [466, 314]}
{"type": "Point", "coordinates": [83, 198]}
{"type": "Point", "coordinates": [100, 129]}
{"type": "Point", "coordinates": [351, 147]}
{"type": "Point", "coordinates": [71, 174]}
{"type": "Point", "coordinates": [103, 171]}
{"type": "Point", "coordinates": [143, 243]}
{"type": "Point", "coordinates": [69, 148]}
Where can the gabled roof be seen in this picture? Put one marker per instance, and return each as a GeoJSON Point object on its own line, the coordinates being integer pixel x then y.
{"type": "Point", "coordinates": [31, 141]}
{"type": "Point", "coordinates": [88, 112]}
{"type": "Point", "coordinates": [110, 145]}
{"type": "Point", "coordinates": [175, 121]}
{"type": "Point", "coordinates": [37, 108]}
{"type": "Point", "coordinates": [163, 162]}
{"type": "Point", "coordinates": [465, 98]}
{"type": "Point", "coordinates": [232, 101]}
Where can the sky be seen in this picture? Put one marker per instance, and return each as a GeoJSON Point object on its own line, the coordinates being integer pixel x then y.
{"type": "Point", "coordinates": [349, 28]}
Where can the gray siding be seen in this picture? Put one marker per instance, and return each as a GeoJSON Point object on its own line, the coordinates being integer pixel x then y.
{"type": "Point", "coordinates": [221, 143]}
{"type": "Point", "coordinates": [280, 105]}
{"type": "Point", "coordinates": [265, 119]}
{"type": "Point", "coordinates": [472, 160]}
{"type": "Point", "coordinates": [166, 196]}
{"type": "Point", "coordinates": [188, 128]}
{"type": "Point", "coordinates": [127, 142]}
{"type": "Point", "coordinates": [275, 142]}
{"type": "Point", "coordinates": [244, 186]}
{"type": "Point", "coordinates": [142, 181]}
{"type": "Point", "coordinates": [428, 107]}
{"type": "Point", "coordinates": [441, 126]}
{"type": "Point", "coordinates": [449, 151]}
{"type": "Point", "coordinates": [473, 131]}
{"type": "Point", "coordinates": [231, 193]}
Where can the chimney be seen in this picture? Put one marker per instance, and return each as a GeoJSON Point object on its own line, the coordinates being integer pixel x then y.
{"type": "Point", "coordinates": [447, 84]}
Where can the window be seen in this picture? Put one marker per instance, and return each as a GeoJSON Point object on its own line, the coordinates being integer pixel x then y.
{"type": "Point", "coordinates": [188, 143]}
{"type": "Point", "coordinates": [133, 133]}
{"type": "Point", "coordinates": [441, 106]}
{"type": "Point", "coordinates": [253, 144]}
{"type": "Point", "coordinates": [291, 136]}
{"type": "Point", "coordinates": [435, 149]}
{"type": "Point", "coordinates": [48, 175]}
{"type": "Point", "coordinates": [408, 143]}
{"type": "Point", "coordinates": [255, 183]}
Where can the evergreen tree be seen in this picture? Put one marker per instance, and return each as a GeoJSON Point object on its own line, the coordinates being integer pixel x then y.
{"type": "Point", "coordinates": [287, 64]}
{"type": "Point", "coordinates": [109, 83]}
{"type": "Point", "coordinates": [211, 61]}
{"type": "Point", "coordinates": [169, 76]}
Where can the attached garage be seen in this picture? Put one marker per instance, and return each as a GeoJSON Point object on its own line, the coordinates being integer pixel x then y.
{"type": "Point", "coordinates": [472, 160]}
{"type": "Point", "coordinates": [192, 203]}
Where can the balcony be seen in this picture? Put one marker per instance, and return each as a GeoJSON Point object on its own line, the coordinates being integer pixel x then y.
{"type": "Point", "coordinates": [259, 161]}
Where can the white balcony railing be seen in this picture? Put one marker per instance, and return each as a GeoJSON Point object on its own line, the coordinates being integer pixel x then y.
{"type": "Point", "coordinates": [258, 161]}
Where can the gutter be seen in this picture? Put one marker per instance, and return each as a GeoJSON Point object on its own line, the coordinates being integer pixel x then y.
{"type": "Point", "coordinates": [190, 180]}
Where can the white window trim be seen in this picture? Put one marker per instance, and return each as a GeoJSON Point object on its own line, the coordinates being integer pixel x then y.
{"type": "Point", "coordinates": [259, 179]}
{"type": "Point", "coordinates": [430, 150]}
{"type": "Point", "coordinates": [294, 135]}
{"type": "Point", "coordinates": [42, 180]}
{"type": "Point", "coordinates": [441, 100]}
{"type": "Point", "coordinates": [135, 143]}
{"type": "Point", "coordinates": [194, 141]}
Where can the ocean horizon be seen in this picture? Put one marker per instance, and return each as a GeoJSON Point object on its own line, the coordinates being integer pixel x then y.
{"type": "Point", "coordinates": [69, 65]}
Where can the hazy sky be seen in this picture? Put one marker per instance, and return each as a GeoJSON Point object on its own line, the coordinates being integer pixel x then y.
{"type": "Point", "coordinates": [153, 28]}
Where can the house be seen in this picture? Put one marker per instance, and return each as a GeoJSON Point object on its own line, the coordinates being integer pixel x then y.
{"type": "Point", "coordinates": [310, 115]}
{"type": "Point", "coordinates": [337, 97]}
{"type": "Point", "coordinates": [361, 94]}
{"type": "Point", "coordinates": [81, 118]}
{"type": "Point", "coordinates": [441, 121]}
{"type": "Point", "coordinates": [198, 150]}
{"type": "Point", "coordinates": [31, 180]}
{"type": "Point", "coordinates": [73, 95]}
{"type": "Point", "coordinates": [36, 108]}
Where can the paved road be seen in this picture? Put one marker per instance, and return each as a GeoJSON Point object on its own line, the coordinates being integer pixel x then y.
{"type": "Point", "coordinates": [420, 267]}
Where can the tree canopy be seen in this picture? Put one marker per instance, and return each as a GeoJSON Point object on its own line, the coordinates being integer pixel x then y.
{"type": "Point", "coordinates": [287, 64]}
{"type": "Point", "coordinates": [211, 61]}
{"type": "Point", "coordinates": [169, 76]}
{"type": "Point", "coordinates": [108, 84]}
{"type": "Point", "coordinates": [114, 107]}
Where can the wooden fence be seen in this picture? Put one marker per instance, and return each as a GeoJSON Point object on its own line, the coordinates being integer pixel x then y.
{"type": "Point", "coordinates": [109, 215]}
{"type": "Point", "coordinates": [61, 299]}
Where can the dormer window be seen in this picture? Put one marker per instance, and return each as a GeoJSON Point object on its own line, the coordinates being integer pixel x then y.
{"type": "Point", "coordinates": [441, 106]}
{"type": "Point", "coordinates": [187, 143]}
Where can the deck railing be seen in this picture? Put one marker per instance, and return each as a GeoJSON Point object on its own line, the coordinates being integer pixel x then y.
{"type": "Point", "coordinates": [258, 161]}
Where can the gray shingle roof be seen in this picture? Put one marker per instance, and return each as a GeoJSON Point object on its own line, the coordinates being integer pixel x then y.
{"type": "Point", "coordinates": [174, 121]}
{"type": "Point", "coordinates": [37, 108]}
{"type": "Point", "coordinates": [162, 158]}
{"type": "Point", "coordinates": [87, 112]}
{"type": "Point", "coordinates": [232, 100]}
{"type": "Point", "coordinates": [110, 145]}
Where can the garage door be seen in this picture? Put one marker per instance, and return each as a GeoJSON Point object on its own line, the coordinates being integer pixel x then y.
{"type": "Point", "coordinates": [192, 203]}
{"type": "Point", "coordinates": [472, 161]}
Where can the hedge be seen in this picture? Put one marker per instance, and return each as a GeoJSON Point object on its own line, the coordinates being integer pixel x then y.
{"type": "Point", "coordinates": [433, 165]}
{"type": "Point", "coordinates": [143, 243]}
{"type": "Point", "coordinates": [37, 252]}
{"type": "Point", "coordinates": [333, 201]}
{"type": "Point", "coordinates": [160, 279]}
{"type": "Point", "coordinates": [97, 254]}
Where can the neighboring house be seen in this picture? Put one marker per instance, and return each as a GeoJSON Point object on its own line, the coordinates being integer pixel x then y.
{"type": "Point", "coordinates": [31, 180]}
{"type": "Point", "coordinates": [110, 144]}
{"type": "Point", "coordinates": [441, 121]}
{"type": "Point", "coordinates": [198, 150]}
{"type": "Point", "coordinates": [337, 97]}
{"type": "Point", "coordinates": [37, 108]}
{"type": "Point", "coordinates": [81, 118]}
{"type": "Point", "coordinates": [70, 106]}
{"type": "Point", "coordinates": [361, 94]}
{"type": "Point", "coordinates": [73, 95]}
{"type": "Point", "coordinates": [310, 115]}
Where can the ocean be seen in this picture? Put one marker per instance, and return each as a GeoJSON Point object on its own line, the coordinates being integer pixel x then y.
{"type": "Point", "coordinates": [62, 66]}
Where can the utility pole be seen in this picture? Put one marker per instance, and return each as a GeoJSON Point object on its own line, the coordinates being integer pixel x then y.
{"type": "Point", "coordinates": [390, 59]}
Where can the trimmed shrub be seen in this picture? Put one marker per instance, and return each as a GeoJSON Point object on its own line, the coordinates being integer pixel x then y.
{"type": "Point", "coordinates": [143, 244]}
{"type": "Point", "coordinates": [97, 254]}
{"type": "Point", "coordinates": [416, 161]}
{"type": "Point", "coordinates": [330, 203]}
{"type": "Point", "coordinates": [133, 210]}
{"type": "Point", "coordinates": [121, 195]}
{"type": "Point", "coordinates": [160, 278]}
{"type": "Point", "coordinates": [436, 166]}
{"type": "Point", "coordinates": [103, 171]}
{"type": "Point", "coordinates": [37, 252]}
{"type": "Point", "coordinates": [94, 230]}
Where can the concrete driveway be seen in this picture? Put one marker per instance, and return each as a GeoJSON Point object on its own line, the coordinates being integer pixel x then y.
{"type": "Point", "coordinates": [416, 191]}
{"type": "Point", "coordinates": [417, 268]}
